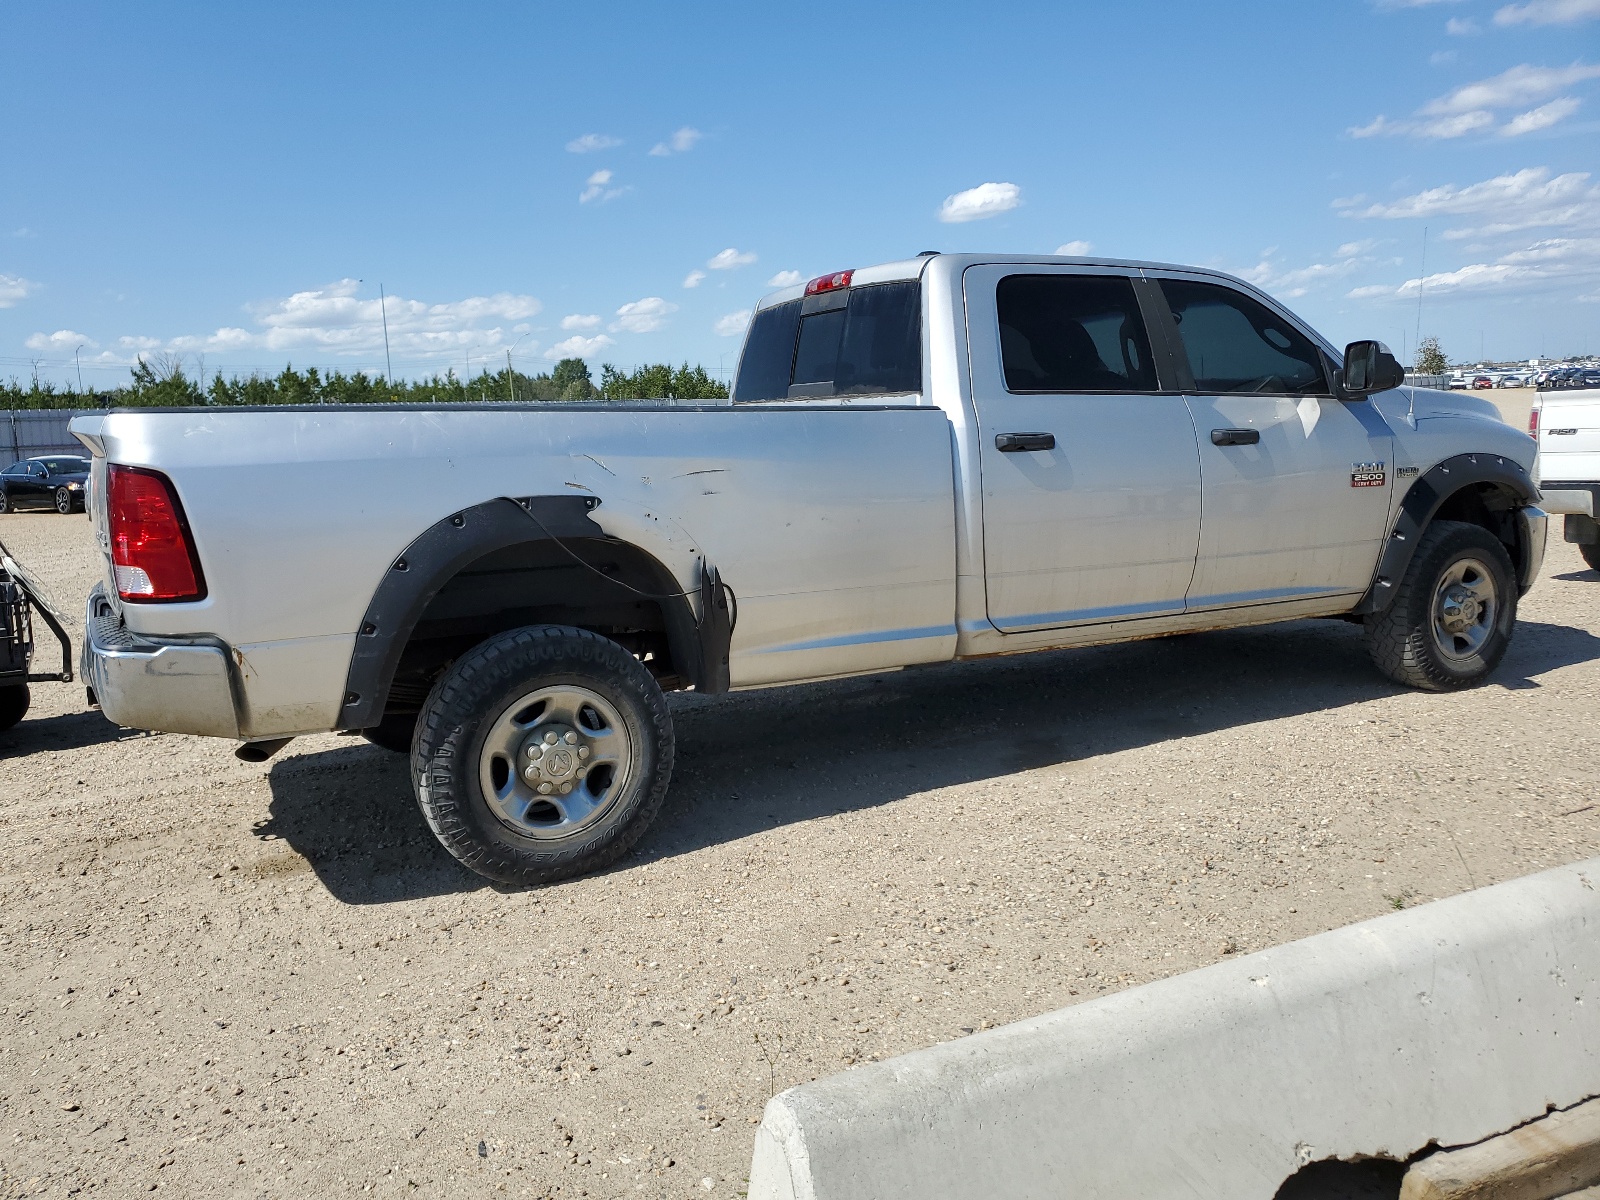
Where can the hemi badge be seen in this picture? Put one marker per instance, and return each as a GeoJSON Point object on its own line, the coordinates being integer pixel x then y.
{"type": "Point", "coordinates": [1367, 474]}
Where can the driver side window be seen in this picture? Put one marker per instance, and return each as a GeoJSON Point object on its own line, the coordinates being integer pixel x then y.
{"type": "Point", "coordinates": [1236, 344]}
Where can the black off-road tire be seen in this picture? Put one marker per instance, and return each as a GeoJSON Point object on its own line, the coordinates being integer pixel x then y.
{"type": "Point", "coordinates": [394, 732]}
{"type": "Point", "coordinates": [1591, 555]}
{"type": "Point", "coordinates": [14, 700]}
{"type": "Point", "coordinates": [1401, 639]}
{"type": "Point", "coordinates": [476, 691]}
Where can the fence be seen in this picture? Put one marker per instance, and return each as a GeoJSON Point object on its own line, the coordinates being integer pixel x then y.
{"type": "Point", "coordinates": [1414, 379]}
{"type": "Point", "coordinates": [32, 431]}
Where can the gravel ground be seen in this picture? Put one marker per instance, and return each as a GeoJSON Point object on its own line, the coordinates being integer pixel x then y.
{"type": "Point", "coordinates": [229, 979]}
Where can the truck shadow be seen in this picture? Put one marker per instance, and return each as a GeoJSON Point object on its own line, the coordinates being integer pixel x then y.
{"type": "Point", "coordinates": [350, 814]}
{"type": "Point", "coordinates": [758, 760]}
{"type": "Point", "coordinates": [64, 731]}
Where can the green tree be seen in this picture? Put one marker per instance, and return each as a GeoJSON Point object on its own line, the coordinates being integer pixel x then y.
{"type": "Point", "coordinates": [159, 382]}
{"type": "Point", "coordinates": [570, 371]}
{"type": "Point", "coordinates": [1431, 359]}
{"type": "Point", "coordinates": [660, 381]}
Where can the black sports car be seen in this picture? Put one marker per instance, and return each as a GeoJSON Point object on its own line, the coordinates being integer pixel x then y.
{"type": "Point", "coordinates": [49, 481]}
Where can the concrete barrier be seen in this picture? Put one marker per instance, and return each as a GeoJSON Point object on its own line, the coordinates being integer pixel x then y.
{"type": "Point", "coordinates": [1446, 1024]}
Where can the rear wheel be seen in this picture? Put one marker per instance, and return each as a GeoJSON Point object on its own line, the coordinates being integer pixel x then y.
{"type": "Point", "coordinates": [1591, 555]}
{"type": "Point", "coordinates": [5, 502]}
{"type": "Point", "coordinates": [14, 700]}
{"type": "Point", "coordinates": [63, 500]}
{"type": "Point", "coordinates": [1451, 621]}
{"type": "Point", "coordinates": [543, 753]}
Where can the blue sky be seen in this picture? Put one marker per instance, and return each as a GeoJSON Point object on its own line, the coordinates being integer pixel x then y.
{"type": "Point", "coordinates": [622, 181]}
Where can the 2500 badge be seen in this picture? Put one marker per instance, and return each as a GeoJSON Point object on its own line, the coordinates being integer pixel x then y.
{"type": "Point", "coordinates": [1367, 474]}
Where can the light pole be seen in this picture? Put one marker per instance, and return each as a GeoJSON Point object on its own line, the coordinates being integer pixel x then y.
{"type": "Point", "coordinates": [511, 378]}
{"type": "Point", "coordinates": [79, 365]}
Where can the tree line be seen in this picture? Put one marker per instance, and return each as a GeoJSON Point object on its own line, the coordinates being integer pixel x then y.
{"type": "Point", "coordinates": [161, 382]}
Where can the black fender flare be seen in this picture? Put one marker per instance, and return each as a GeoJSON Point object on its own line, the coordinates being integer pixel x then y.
{"type": "Point", "coordinates": [439, 553]}
{"type": "Point", "coordinates": [1422, 501]}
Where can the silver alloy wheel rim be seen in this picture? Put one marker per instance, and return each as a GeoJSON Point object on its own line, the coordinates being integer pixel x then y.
{"type": "Point", "coordinates": [63, 502]}
{"type": "Point", "coordinates": [554, 761]}
{"type": "Point", "coordinates": [1465, 607]}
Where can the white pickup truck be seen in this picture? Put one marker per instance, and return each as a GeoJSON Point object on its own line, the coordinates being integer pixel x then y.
{"type": "Point", "coordinates": [1566, 425]}
{"type": "Point", "coordinates": [949, 457]}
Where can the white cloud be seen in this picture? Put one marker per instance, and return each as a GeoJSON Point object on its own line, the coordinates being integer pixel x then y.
{"type": "Point", "coordinates": [1548, 12]}
{"type": "Point", "coordinates": [643, 316]}
{"type": "Point", "coordinates": [1471, 107]}
{"type": "Point", "coordinates": [785, 279]}
{"type": "Point", "coordinates": [727, 260]}
{"type": "Point", "coordinates": [62, 341]}
{"type": "Point", "coordinates": [1349, 249]}
{"type": "Point", "coordinates": [597, 189]}
{"type": "Point", "coordinates": [1268, 276]}
{"type": "Point", "coordinates": [1439, 57]}
{"type": "Point", "coordinates": [590, 142]}
{"type": "Point", "coordinates": [693, 279]}
{"type": "Point", "coordinates": [334, 320]}
{"type": "Point", "coordinates": [1462, 27]}
{"type": "Point", "coordinates": [678, 143]}
{"type": "Point", "coordinates": [1075, 249]}
{"type": "Point", "coordinates": [580, 321]}
{"type": "Point", "coordinates": [733, 324]}
{"type": "Point", "coordinates": [976, 204]}
{"type": "Point", "coordinates": [1527, 199]}
{"type": "Point", "coordinates": [14, 289]}
{"type": "Point", "coordinates": [577, 346]}
{"type": "Point", "coordinates": [1547, 263]}
{"type": "Point", "coordinates": [1542, 117]}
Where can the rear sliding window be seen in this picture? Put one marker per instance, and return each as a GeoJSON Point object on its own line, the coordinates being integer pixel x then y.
{"type": "Point", "coordinates": [870, 345]}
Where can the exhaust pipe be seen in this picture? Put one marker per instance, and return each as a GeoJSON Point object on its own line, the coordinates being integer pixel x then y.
{"type": "Point", "coordinates": [254, 752]}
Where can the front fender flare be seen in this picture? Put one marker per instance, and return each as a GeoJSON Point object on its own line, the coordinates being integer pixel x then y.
{"type": "Point", "coordinates": [1427, 493]}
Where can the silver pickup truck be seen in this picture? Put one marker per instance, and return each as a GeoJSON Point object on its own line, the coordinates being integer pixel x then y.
{"type": "Point", "coordinates": [949, 457]}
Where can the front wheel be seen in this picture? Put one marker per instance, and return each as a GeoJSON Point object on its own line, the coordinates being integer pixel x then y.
{"type": "Point", "coordinates": [63, 500]}
{"type": "Point", "coordinates": [14, 700]}
{"type": "Point", "coordinates": [1451, 620]}
{"type": "Point", "coordinates": [543, 753]}
{"type": "Point", "coordinates": [5, 502]}
{"type": "Point", "coordinates": [1591, 555]}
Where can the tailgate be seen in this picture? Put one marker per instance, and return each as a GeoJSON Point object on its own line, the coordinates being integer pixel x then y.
{"type": "Point", "coordinates": [1569, 437]}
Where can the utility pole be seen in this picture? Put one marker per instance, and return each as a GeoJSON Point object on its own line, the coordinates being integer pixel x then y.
{"type": "Point", "coordinates": [383, 311]}
{"type": "Point", "coordinates": [79, 365]}
{"type": "Point", "coordinates": [511, 380]}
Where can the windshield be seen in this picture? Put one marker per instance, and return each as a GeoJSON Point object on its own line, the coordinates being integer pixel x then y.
{"type": "Point", "coordinates": [869, 345]}
{"type": "Point", "coordinates": [65, 466]}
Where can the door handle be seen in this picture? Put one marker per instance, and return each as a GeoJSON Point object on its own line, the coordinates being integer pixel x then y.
{"type": "Point", "coordinates": [1011, 443]}
{"type": "Point", "coordinates": [1235, 437]}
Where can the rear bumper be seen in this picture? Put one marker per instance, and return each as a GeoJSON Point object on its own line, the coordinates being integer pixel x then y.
{"type": "Point", "coordinates": [176, 687]}
{"type": "Point", "coordinates": [1571, 496]}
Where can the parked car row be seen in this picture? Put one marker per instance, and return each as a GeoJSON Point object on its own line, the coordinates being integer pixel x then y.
{"type": "Point", "coordinates": [1567, 377]}
{"type": "Point", "coordinates": [50, 481]}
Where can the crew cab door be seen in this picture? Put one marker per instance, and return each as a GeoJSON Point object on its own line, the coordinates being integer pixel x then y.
{"type": "Point", "coordinates": [1090, 472]}
{"type": "Point", "coordinates": [1295, 483]}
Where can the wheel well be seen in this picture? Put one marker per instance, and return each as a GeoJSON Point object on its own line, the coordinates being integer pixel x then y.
{"type": "Point", "coordinates": [1492, 506]}
{"type": "Point", "coordinates": [597, 586]}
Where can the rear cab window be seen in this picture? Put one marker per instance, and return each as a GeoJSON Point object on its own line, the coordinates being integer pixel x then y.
{"type": "Point", "coordinates": [858, 341]}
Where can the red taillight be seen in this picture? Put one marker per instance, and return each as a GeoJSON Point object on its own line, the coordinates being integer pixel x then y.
{"type": "Point", "coordinates": [1533, 421]}
{"type": "Point", "coordinates": [829, 283]}
{"type": "Point", "coordinates": [152, 554]}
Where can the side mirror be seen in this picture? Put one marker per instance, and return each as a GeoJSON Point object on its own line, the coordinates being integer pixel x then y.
{"type": "Point", "coordinates": [1370, 367]}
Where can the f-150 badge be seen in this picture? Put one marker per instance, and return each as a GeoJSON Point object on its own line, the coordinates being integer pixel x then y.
{"type": "Point", "coordinates": [1367, 474]}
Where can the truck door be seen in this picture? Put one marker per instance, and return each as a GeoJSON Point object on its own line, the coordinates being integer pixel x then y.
{"type": "Point", "coordinates": [1295, 483]}
{"type": "Point", "coordinates": [1090, 472]}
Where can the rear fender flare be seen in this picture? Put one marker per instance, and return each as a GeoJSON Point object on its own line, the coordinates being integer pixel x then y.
{"type": "Point", "coordinates": [1422, 502]}
{"type": "Point", "coordinates": [439, 553]}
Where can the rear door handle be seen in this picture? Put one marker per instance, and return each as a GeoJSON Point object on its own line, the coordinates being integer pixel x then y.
{"type": "Point", "coordinates": [1235, 437]}
{"type": "Point", "coordinates": [1011, 443]}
